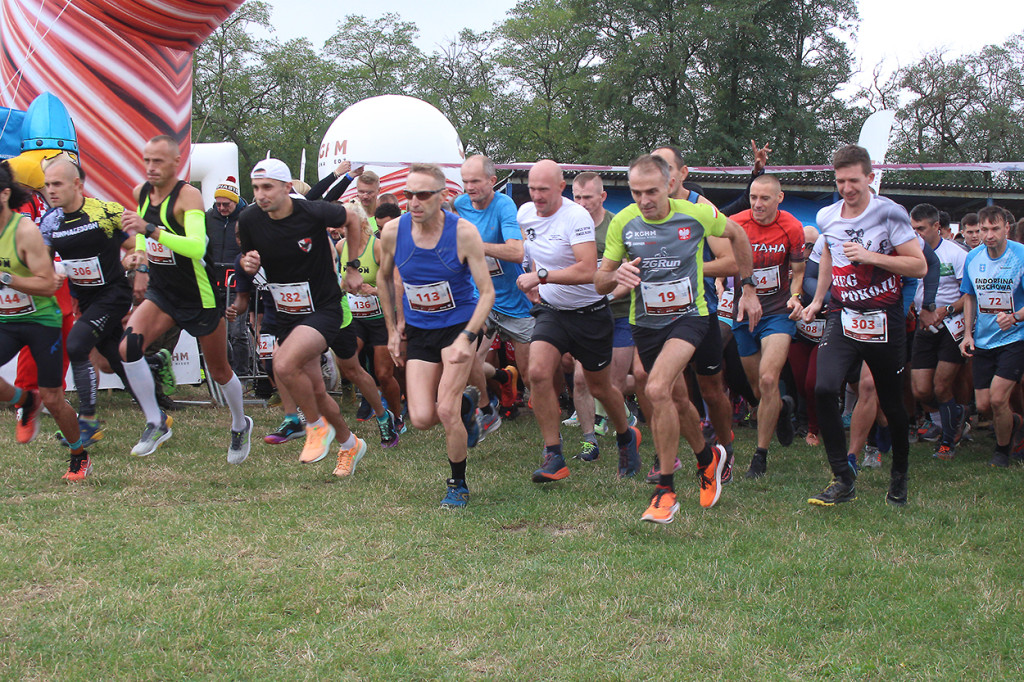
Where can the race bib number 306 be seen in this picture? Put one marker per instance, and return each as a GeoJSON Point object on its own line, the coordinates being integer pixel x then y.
{"type": "Point", "coordinates": [430, 298]}
{"type": "Point", "coordinates": [667, 298]}
{"type": "Point", "coordinates": [85, 272]}
{"type": "Point", "coordinates": [870, 327]}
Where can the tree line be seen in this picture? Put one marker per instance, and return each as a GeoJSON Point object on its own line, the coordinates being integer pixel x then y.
{"type": "Point", "coordinates": [600, 81]}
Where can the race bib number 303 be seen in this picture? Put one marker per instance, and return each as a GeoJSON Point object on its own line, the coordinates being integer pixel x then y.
{"type": "Point", "coordinates": [667, 298]}
{"type": "Point", "coordinates": [870, 327]}
{"type": "Point", "coordinates": [430, 298]}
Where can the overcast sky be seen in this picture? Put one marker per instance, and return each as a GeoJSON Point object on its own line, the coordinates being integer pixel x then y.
{"type": "Point", "coordinates": [891, 31]}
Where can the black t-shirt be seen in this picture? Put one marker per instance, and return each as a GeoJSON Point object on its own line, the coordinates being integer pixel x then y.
{"type": "Point", "coordinates": [89, 243]}
{"type": "Point", "coordinates": [296, 254]}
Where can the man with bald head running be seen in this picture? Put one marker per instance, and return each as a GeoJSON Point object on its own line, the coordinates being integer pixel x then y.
{"type": "Point", "coordinates": [570, 316]}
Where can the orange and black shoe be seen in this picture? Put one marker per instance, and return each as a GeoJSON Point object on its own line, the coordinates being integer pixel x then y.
{"type": "Point", "coordinates": [510, 387]}
{"type": "Point", "coordinates": [553, 469]}
{"type": "Point", "coordinates": [79, 466]}
{"type": "Point", "coordinates": [663, 507]}
{"type": "Point", "coordinates": [27, 427]}
{"type": "Point", "coordinates": [710, 477]}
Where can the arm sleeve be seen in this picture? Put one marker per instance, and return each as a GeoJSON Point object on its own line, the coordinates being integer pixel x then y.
{"type": "Point", "coordinates": [811, 278]}
{"type": "Point", "coordinates": [335, 193]}
{"type": "Point", "coordinates": [193, 244]}
{"type": "Point", "coordinates": [931, 279]}
{"type": "Point", "coordinates": [742, 202]}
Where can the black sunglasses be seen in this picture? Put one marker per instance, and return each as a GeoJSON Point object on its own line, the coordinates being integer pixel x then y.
{"type": "Point", "coordinates": [422, 196]}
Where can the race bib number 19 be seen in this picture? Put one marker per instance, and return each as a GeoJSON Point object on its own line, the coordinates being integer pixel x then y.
{"type": "Point", "coordinates": [870, 327]}
{"type": "Point", "coordinates": [667, 298]}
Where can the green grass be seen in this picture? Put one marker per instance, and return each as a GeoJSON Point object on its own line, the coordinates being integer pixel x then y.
{"type": "Point", "coordinates": [180, 566]}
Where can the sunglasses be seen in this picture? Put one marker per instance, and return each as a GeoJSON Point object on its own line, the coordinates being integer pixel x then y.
{"type": "Point", "coordinates": [422, 196]}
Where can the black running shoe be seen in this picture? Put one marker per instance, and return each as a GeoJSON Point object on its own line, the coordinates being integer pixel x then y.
{"type": "Point", "coordinates": [758, 466]}
{"type": "Point", "coordinates": [999, 460]}
{"type": "Point", "coordinates": [837, 492]}
{"type": "Point", "coordinates": [897, 495]}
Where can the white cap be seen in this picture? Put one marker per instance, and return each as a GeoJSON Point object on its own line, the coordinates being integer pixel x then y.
{"type": "Point", "coordinates": [273, 169]}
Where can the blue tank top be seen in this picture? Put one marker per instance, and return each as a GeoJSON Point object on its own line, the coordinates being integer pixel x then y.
{"type": "Point", "coordinates": [439, 289]}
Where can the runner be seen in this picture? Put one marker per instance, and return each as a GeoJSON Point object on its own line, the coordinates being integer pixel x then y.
{"type": "Point", "coordinates": [288, 239]}
{"type": "Point", "coordinates": [438, 257]}
{"type": "Point", "coordinates": [170, 228]}
{"type": "Point", "coordinates": [869, 244]}
{"type": "Point", "coordinates": [994, 335]}
{"type": "Point", "coordinates": [663, 238]}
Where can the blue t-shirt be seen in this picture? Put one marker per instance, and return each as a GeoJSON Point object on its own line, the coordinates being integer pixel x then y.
{"type": "Point", "coordinates": [497, 223]}
{"type": "Point", "coordinates": [996, 285]}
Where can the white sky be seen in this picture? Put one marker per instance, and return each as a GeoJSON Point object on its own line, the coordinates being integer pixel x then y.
{"type": "Point", "coordinates": [891, 32]}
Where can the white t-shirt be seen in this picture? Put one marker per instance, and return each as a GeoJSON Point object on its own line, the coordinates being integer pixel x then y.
{"type": "Point", "coordinates": [951, 271]}
{"type": "Point", "coordinates": [882, 227]}
{"type": "Point", "coordinates": [548, 245]}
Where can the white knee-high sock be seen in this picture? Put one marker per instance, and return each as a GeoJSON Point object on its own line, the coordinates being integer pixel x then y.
{"type": "Point", "coordinates": [141, 380]}
{"type": "Point", "coordinates": [233, 397]}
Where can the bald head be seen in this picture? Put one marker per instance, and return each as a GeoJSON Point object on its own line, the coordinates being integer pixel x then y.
{"type": "Point", "coordinates": [478, 178]}
{"type": "Point", "coordinates": [63, 183]}
{"type": "Point", "coordinates": [765, 197]}
{"type": "Point", "coordinates": [546, 186]}
{"type": "Point", "coordinates": [769, 182]}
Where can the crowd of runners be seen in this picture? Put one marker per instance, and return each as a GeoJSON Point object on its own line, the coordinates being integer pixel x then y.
{"type": "Point", "coordinates": [470, 310]}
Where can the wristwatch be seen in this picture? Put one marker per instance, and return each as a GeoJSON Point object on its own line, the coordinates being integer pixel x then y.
{"type": "Point", "coordinates": [748, 280]}
{"type": "Point", "coordinates": [150, 229]}
{"type": "Point", "coordinates": [949, 310]}
{"type": "Point", "coordinates": [542, 273]}
{"type": "Point", "coordinates": [930, 307]}
{"type": "Point", "coordinates": [354, 263]}
{"type": "Point", "coordinates": [5, 279]}
{"type": "Point", "coordinates": [472, 336]}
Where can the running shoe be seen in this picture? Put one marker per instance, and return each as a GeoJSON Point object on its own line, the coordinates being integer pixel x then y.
{"type": "Point", "coordinates": [663, 507]}
{"type": "Point", "coordinates": [329, 370]}
{"type": "Point", "coordinates": [727, 469]}
{"type": "Point", "coordinates": [1017, 437]}
{"type": "Point", "coordinates": [945, 452]}
{"type": "Point", "coordinates": [152, 436]}
{"type": "Point", "coordinates": [846, 420]}
{"type": "Point", "coordinates": [962, 427]}
{"type": "Point", "coordinates": [290, 429]}
{"type": "Point", "coordinates": [589, 452]}
{"type": "Point", "coordinates": [469, 420]}
{"type": "Point", "coordinates": [165, 371]}
{"type": "Point", "coordinates": [629, 455]}
{"type": "Point", "coordinates": [388, 430]}
{"type": "Point", "coordinates": [872, 457]}
{"type": "Point", "coordinates": [553, 469]}
{"type": "Point", "coordinates": [241, 442]}
{"type": "Point", "coordinates": [851, 459]}
{"type": "Point", "coordinates": [510, 387]}
{"type": "Point", "coordinates": [784, 426]}
{"type": "Point", "coordinates": [90, 430]}
{"type": "Point", "coordinates": [601, 425]}
{"type": "Point", "coordinates": [348, 459]}
{"type": "Point", "coordinates": [836, 492]}
{"type": "Point", "coordinates": [571, 421]}
{"type": "Point", "coordinates": [401, 426]}
{"type": "Point", "coordinates": [318, 443]}
{"type": "Point", "coordinates": [457, 495]}
{"type": "Point", "coordinates": [710, 478]}
{"type": "Point", "coordinates": [488, 423]}
{"type": "Point", "coordinates": [365, 411]}
{"type": "Point", "coordinates": [654, 475]}
{"type": "Point", "coordinates": [897, 494]}
{"type": "Point", "coordinates": [79, 466]}
{"type": "Point", "coordinates": [930, 432]}
{"type": "Point", "coordinates": [999, 460]}
{"type": "Point", "coordinates": [27, 427]}
{"type": "Point", "coordinates": [758, 466]}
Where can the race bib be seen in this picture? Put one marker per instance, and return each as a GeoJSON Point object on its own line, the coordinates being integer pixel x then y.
{"type": "Point", "coordinates": [955, 325]}
{"type": "Point", "coordinates": [726, 309]}
{"type": "Point", "coordinates": [995, 302]}
{"type": "Point", "coordinates": [15, 303]}
{"type": "Point", "coordinates": [430, 298]}
{"type": "Point", "coordinates": [363, 306]}
{"type": "Point", "coordinates": [265, 347]}
{"type": "Point", "coordinates": [667, 298]}
{"type": "Point", "coordinates": [871, 327]}
{"type": "Point", "coordinates": [811, 330]}
{"type": "Point", "coordinates": [493, 266]}
{"type": "Point", "coordinates": [85, 272]}
{"type": "Point", "coordinates": [766, 280]}
{"type": "Point", "coordinates": [158, 253]}
{"type": "Point", "coordinates": [292, 299]}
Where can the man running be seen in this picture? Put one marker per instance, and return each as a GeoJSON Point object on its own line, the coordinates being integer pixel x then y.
{"type": "Point", "coordinates": [777, 240]}
{"type": "Point", "coordinates": [869, 245]}
{"type": "Point", "coordinates": [571, 317]}
{"type": "Point", "coordinates": [438, 258]}
{"type": "Point", "coordinates": [30, 316]}
{"type": "Point", "coordinates": [87, 234]}
{"type": "Point", "coordinates": [663, 238]}
{"type": "Point", "coordinates": [170, 228]}
{"type": "Point", "coordinates": [994, 328]}
{"type": "Point", "coordinates": [289, 240]}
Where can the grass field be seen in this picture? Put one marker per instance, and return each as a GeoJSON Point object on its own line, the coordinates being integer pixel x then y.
{"type": "Point", "coordinates": [180, 566]}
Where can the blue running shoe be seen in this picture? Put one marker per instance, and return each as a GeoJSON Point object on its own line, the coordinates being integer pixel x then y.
{"type": "Point", "coordinates": [91, 430]}
{"type": "Point", "coordinates": [469, 420]}
{"type": "Point", "coordinates": [457, 495]}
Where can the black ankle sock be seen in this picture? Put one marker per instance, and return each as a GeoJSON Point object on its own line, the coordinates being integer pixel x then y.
{"type": "Point", "coordinates": [501, 376]}
{"type": "Point", "coordinates": [1003, 449]}
{"type": "Point", "coordinates": [666, 481]}
{"type": "Point", "coordinates": [622, 439]}
{"type": "Point", "coordinates": [487, 409]}
{"type": "Point", "coordinates": [761, 451]}
{"type": "Point", "coordinates": [704, 456]}
{"type": "Point", "coordinates": [458, 470]}
{"type": "Point", "coordinates": [554, 449]}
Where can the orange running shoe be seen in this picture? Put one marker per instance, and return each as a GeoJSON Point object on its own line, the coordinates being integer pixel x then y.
{"type": "Point", "coordinates": [510, 387]}
{"type": "Point", "coordinates": [318, 443]}
{"type": "Point", "coordinates": [27, 427]}
{"type": "Point", "coordinates": [348, 459]}
{"type": "Point", "coordinates": [710, 478]}
{"type": "Point", "coordinates": [79, 466]}
{"type": "Point", "coordinates": [663, 508]}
